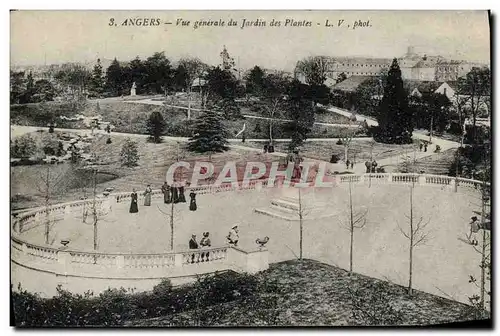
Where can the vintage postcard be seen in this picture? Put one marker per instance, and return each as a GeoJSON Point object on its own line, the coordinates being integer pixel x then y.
{"type": "Point", "coordinates": [250, 168]}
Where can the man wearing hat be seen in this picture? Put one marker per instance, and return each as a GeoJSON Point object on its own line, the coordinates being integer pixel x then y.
{"type": "Point", "coordinates": [233, 237]}
{"type": "Point", "coordinates": [193, 244]}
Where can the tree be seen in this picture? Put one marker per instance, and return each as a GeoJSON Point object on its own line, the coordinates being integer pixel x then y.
{"type": "Point", "coordinates": [114, 78]}
{"type": "Point", "coordinates": [43, 91]}
{"type": "Point", "coordinates": [417, 234]}
{"type": "Point", "coordinates": [97, 211]}
{"type": "Point", "coordinates": [76, 78]}
{"type": "Point", "coordinates": [30, 88]}
{"type": "Point", "coordinates": [479, 302]}
{"type": "Point", "coordinates": [357, 221]}
{"type": "Point", "coordinates": [210, 134]}
{"type": "Point", "coordinates": [346, 136]}
{"type": "Point", "coordinates": [49, 183]}
{"type": "Point", "coordinates": [314, 69]}
{"type": "Point", "coordinates": [395, 119]}
{"type": "Point", "coordinates": [97, 80]}
{"type": "Point", "coordinates": [24, 147]}
{"type": "Point", "coordinates": [171, 216]}
{"type": "Point", "coordinates": [158, 73]}
{"type": "Point", "coordinates": [366, 97]}
{"type": "Point", "coordinates": [17, 87]}
{"type": "Point", "coordinates": [221, 86]}
{"type": "Point", "coordinates": [155, 126]}
{"type": "Point", "coordinates": [274, 87]}
{"type": "Point", "coordinates": [476, 85]}
{"type": "Point", "coordinates": [300, 110]}
{"type": "Point", "coordinates": [134, 72]}
{"type": "Point", "coordinates": [129, 154]}
{"type": "Point", "coordinates": [255, 81]}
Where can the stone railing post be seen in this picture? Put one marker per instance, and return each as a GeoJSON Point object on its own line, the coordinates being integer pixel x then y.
{"type": "Point", "coordinates": [389, 177]}
{"type": "Point", "coordinates": [178, 260]}
{"type": "Point", "coordinates": [421, 179]}
{"type": "Point", "coordinates": [67, 211]}
{"type": "Point", "coordinates": [257, 261]}
{"type": "Point", "coordinates": [24, 248]}
{"type": "Point", "coordinates": [120, 261]}
{"type": "Point", "coordinates": [63, 259]}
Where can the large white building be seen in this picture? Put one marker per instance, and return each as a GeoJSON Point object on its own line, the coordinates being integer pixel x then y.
{"type": "Point", "coordinates": [413, 67]}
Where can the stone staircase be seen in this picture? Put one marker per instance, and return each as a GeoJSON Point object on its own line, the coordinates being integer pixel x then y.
{"type": "Point", "coordinates": [288, 208]}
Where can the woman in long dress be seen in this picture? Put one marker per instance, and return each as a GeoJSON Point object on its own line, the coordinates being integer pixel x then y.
{"type": "Point", "coordinates": [182, 198]}
{"type": "Point", "coordinates": [133, 202]}
{"type": "Point", "coordinates": [165, 189]}
{"type": "Point", "coordinates": [147, 196]}
{"type": "Point", "coordinates": [192, 203]}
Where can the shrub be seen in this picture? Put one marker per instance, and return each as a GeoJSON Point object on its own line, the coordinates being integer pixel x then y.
{"type": "Point", "coordinates": [129, 154]}
{"type": "Point", "coordinates": [108, 141]}
{"type": "Point", "coordinates": [334, 159]}
{"type": "Point", "coordinates": [339, 142]}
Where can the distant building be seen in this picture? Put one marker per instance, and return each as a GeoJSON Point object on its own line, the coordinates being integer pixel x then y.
{"type": "Point", "coordinates": [413, 67]}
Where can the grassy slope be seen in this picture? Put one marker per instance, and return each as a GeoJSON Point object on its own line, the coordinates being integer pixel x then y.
{"type": "Point", "coordinates": [154, 160]}
{"type": "Point", "coordinates": [317, 294]}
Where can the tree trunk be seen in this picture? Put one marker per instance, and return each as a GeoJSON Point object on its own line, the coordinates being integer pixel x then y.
{"type": "Point", "coordinates": [410, 290]}
{"type": "Point", "coordinates": [483, 248]}
{"type": "Point", "coordinates": [172, 226]}
{"type": "Point", "coordinates": [189, 104]}
{"type": "Point", "coordinates": [351, 229]}
{"type": "Point", "coordinates": [346, 147]}
{"type": "Point", "coordinates": [301, 228]}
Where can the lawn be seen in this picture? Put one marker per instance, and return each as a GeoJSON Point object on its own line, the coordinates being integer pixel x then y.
{"type": "Point", "coordinates": [154, 160]}
{"type": "Point", "coordinates": [360, 150]}
{"type": "Point", "coordinates": [310, 293]}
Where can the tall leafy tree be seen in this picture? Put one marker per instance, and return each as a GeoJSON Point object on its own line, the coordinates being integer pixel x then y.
{"type": "Point", "coordinates": [300, 109]}
{"type": "Point", "coordinates": [222, 88]}
{"type": "Point", "coordinates": [210, 134]}
{"type": "Point", "coordinates": [255, 81]}
{"type": "Point", "coordinates": [135, 71]}
{"type": "Point", "coordinates": [155, 126]}
{"type": "Point", "coordinates": [97, 80]}
{"type": "Point", "coordinates": [129, 154]}
{"type": "Point", "coordinates": [17, 87]}
{"type": "Point", "coordinates": [75, 77]}
{"type": "Point", "coordinates": [114, 78]}
{"type": "Point", "coordinates": [314, 69]}
{"type": "Point", "coordinates": [158, 73]}
{"type": "Point", "coordinates": [395, 119]}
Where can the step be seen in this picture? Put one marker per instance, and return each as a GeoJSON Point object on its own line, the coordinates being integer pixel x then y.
{"type": "Point", "coordinates": [285, 204]}
{"type": "Point", "coordinates": [277, 214]}
{"type": "Point", "coordinates": [278, 208]}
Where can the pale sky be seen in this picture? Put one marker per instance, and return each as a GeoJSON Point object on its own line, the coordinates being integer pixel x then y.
{"type": "Point", "coordinates": [81, 36]}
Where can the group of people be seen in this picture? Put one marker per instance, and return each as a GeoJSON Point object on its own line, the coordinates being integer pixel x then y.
{"type": "Point", "coordinates": [171, 194]}
{"type": "Point", "coordinates": [232, 239]}
{"type": "Point", "coordinates": [371, 166]}
{"type": "Point", "coordinates": [349, 163]}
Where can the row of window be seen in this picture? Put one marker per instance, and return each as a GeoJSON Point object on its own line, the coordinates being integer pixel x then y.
{"type": "Point", "coordinates": [365, 65]}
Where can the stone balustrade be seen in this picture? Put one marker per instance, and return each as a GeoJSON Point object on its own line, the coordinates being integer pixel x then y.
{"type": "Point", "coordinates": [22, 221]}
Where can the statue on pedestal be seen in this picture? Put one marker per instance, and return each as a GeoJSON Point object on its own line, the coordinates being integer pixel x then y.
{"type": "Point", "coordinates": [132, 90]}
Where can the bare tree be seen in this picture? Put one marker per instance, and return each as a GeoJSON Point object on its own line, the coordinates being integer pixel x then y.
{"type": "Point", "coordinates": [346, 138]}
{"type": "Point", "coordinates": [97, 209]}
{"type": "Point", "coordinates": [49, 184]}
{"type": "Point", "coordinates": [274, 88]}
{"type": "Point", "coordinates": [302, 211]}
{"type": "Point", "coordinates": [357, 221]}
{"type": "Point", "coordinates": [417, 235]}
{"type": "Point", "coordinates": [194, 68]}
{"type": "Point", "coordinates": [479, 301]}
{"type": "Point", "coordinates": [170, 214]}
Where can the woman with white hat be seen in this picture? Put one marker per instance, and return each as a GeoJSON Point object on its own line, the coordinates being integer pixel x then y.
{"type": "Point", "coordinates": [233, 237]}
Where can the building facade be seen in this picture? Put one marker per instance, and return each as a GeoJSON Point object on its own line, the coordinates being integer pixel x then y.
{"type": "Point", "coordinates": [413, 67]}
